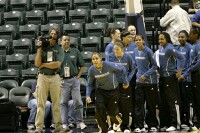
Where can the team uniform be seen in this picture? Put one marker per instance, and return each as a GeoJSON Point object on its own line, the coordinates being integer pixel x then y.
{"type": "Point", "coordinates": [125, 103]}
{"type": "Point", "coordinates": [168, 86]}
{"type": "Point", "coordinates": [107, 94]}
{"type": "Point", "coordinates": [130, 50]}
{"type": "Point", "coordinates": [185, 87]}
{"type": "Point", "coordinates": [194, 70]}
{"type": "Point", "coordinates": [145, 90]}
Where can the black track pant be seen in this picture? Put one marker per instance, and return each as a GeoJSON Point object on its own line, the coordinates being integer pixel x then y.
{"type": "Point", "coordinates": [132, 86]}
{"type": "Point", "coordinates": [125, 108]}
{"type": "Point", "coordinates": [148, 93]}
{"type": "Point", "coordinates": [107, 101]}
{"type": "Point", "coordinates": [186, 102]}
{"type": "Point", "coordinates": [170, 101]}
{"type": "Point", "coordinates": [196, 94]}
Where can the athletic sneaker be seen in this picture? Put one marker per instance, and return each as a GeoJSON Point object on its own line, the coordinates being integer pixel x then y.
{"type": "Point", "coordinates": [65, 127]}
{"type": "Point", "coordinates": [153, 129]}
{"type": "Point", "coordinates": [30, 126]}
{"type": "Point", "coordinates": [110, 130]}
{"type": "Point", "coordinates": [143, 130]}
{"type": "Point", "coordinates": [137, 130]}
{"type": "Point", "coordinates": [116, 127]}
{"type": "Point", "coordinates": [171, 129]}
{"type": "Point", "coordinates": [71, 125]}
{"type": "Point", "coordinates": [81, 125]}
{"type": "Point", "coordinates": [127, 131]}
{"type": "Point", "coordinates": [163, 129]}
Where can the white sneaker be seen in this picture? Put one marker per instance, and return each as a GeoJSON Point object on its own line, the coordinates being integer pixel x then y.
{"type": "Point", "coordinates": [119, 130]}
{"type": "Point", "coordinates": [143, 130]}
{"type": "Point", "coordinates": [81, 125]}
{"type": "Point", "coordinates": [153, 129]}
{"type": "Point", "coordinates": [127, 131]}
{"type": "Point", "coordinates": [171, 129]}
{"type": "Point", "coordinates": [111, 131]}
{"type": "Point", "coordinates": [116, 127]}
{"type": "Point", "coordinates": [194, 128]}
{"type": "Point", "coordinates": [66, 127]}
{"type": "Point", "coordinates": [30, 126]}
{"type": "Point", "coordinates": [145, 125]}
{"type": "Point", "coordinates": [185, 127]}
{"type": "Point", "coordinates": [52, 126]}
{"type": "Point", "coordinates": [163, 129]}
{"type": "Point", "coordinates": [137, 130]}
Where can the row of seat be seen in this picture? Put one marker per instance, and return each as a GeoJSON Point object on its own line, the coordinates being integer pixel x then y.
{"type": "Point", "coordinates": [20, 94]}
{"type": "Point", "coordinates": [30, 31]}
{"type": "Point", "coordinates": [27, 5]}
{"type": "Point", "coordinates": [28, 46]}
{"type": "Point", "coordinates": [9, 84]}
{"type": "Point", "coordinates": [62, 16]}
{"type": "Point", "coordinates": [17, 61]}
{"type": "Point", "coordinates": [20, 62]}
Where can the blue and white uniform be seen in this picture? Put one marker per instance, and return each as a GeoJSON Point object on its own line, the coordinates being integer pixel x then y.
{"type": "Point", "coordinates": [145, 90]}
{"type": "Point", "coordinates": [125, 94]}
{"type": "Point", "coordinates": [168, 85]}
{"type": "Point", "coordinates": [106, 91]}
{"type": "Point", "coordinates": [194, 70]}
{"type": "Point", "coordinates": [185, 87]}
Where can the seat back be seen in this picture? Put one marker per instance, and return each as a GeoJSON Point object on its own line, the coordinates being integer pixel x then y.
{"type": "Point", "coordinates": [35, 17]}
{"type": "Point", "coordinates": [16, 61]}
{"type": "Point", "coordinates": [4, 46]}
{"type": "Point", "coordinates": [91, 43]}
{"type": "Point", "coordinates": [10, 74]}
{"type": "Point", "coordinates": [57, 16]}
{"type": "Point", "coordinates": [119, 14]}
{"type": "Point", "coordinates": [117, 25]}
{"type": "Point", "coordinates": [30, 31]}
{"type": "Point", "coordinates": [101, 15]}
{"type": "Point", "coordinates": [3, 93]}
{"type": "Point", "coordinates": [43, 5]}
{"type": "Point", "coordinates": [30, 73]}
{"type": "Point", "coordinates": [109, 4]}
{"type": "Point", "coordinates": [8, 31]}
{"type": "Point", "coordinates": [73, 29]}
{"type": "Point", "coordinates": [62, 4]}
{"type": "Point", "coordinates": [28, 83]}
{"type": "Point", "coordinates": [83, 4]}
{"type": "Point", "coordinates": [87, 56]}
{"type": "Point", "coordinates": [79, 15]}
{"type": "Point", "coordinates": [22, 46]}
{"type": "Point", "coordinates": [4, 5]}
{"type": "Point", "coordinates": [19, 5]}
{"type": "Point", "coordinates": [9, 84]}
{"type": "Point", "coordinates": [20, 96]}
{"type": "Point", "coordinates": [14, 18]}
{"type": "Point", "coordinates": [95, 29]}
